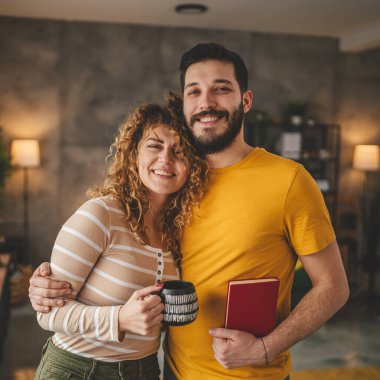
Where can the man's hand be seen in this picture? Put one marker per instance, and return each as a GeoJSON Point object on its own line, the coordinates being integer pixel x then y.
{"type": "Point", "coordinates": [234, 348]}
{"type": "Point", "coordinates": [45, 292]}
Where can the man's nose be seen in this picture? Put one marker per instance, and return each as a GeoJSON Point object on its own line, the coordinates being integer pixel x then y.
{"type": "Point", "coordinates": [207, 101]}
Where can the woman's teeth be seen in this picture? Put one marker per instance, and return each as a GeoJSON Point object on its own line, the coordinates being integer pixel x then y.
{"type": "Point", "coordinates": [162, 172]}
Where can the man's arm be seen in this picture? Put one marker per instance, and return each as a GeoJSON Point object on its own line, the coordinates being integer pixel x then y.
{"type": "Point", "coordinates": [44, 292]}
{"type": "Point", "coordinates": [328, 294]}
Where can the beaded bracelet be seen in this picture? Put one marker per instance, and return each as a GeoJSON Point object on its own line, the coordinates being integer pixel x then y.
{"type": "Point", "coordinates": [265, 350]}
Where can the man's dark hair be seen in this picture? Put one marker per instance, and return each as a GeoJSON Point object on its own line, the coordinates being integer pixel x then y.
{"type": "Point", "coordinates": [211, 50]}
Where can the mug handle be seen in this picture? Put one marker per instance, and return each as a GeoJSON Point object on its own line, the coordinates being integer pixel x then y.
{"type": "Point", "coordinates": [158, 293]}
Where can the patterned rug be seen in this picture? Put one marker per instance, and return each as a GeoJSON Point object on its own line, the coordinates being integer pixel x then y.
{"type": "Point", "coordinates": [370, 373]}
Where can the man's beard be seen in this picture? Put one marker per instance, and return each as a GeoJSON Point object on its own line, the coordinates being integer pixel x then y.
{"type": "Point", "coordinates": [209, 142]}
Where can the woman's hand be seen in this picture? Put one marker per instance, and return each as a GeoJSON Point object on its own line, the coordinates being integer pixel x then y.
{"type": "Point", "coordinates": [142, 314]}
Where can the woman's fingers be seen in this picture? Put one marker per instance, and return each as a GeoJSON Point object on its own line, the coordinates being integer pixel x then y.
{"type": "Point", "coordinates": [145, 292]}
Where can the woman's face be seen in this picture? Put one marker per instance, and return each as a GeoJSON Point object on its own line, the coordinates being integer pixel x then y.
{"type": "Point", "coordinates": [161, 163]}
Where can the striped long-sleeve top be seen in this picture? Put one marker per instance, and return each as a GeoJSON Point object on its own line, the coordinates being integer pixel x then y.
{"type": "Point", "coordinates": [105, 264]}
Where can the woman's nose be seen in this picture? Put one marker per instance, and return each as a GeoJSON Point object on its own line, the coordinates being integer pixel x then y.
{"type": "Point", "coordinates": [166, 155]}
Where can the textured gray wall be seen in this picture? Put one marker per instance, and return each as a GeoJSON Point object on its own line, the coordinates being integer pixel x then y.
{"type": "Point", "coordinates": [358, 109]}
{"type": "Point", "coordinates": [71, 84]}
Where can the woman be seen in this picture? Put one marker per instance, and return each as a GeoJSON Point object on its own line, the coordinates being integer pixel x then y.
{"type": "Point", "coordinates": [118, 247]}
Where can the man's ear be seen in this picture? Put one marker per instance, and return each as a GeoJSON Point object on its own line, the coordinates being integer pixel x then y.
{"type": "Point", "coordinates": [247, 100]}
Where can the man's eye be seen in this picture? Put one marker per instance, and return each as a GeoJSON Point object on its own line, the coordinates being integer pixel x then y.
{"type": "Point", "coordinates": [178, 152]}
{"type": "Point", "coordinates": [154, 146]}
{"type": "Point", "coordinates": [193, 92]}
{"type": "Point", "coordinates": [222, 89]}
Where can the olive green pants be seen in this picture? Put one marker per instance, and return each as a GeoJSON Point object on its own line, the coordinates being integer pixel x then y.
{"type": "Point", "coordinates": [59, 364]}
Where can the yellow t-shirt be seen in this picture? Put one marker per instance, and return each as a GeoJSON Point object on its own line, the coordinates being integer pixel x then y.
{"type": "Point", "coordinates": [254, 220]}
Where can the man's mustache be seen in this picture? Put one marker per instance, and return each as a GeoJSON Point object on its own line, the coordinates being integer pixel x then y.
{"type": "Point", "coordinates": [217, 113]}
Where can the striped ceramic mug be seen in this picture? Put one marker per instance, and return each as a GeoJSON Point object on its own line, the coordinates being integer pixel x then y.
{"type": "Point", "coordinates": [180, 301]}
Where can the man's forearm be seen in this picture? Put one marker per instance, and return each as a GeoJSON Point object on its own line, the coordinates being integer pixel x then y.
{"type": "Point", "coordinates": [315, 308]}
{"type": "Point", "coordinates": [234, 349]}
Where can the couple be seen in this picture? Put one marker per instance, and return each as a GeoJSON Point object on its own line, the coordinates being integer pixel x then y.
{"type": "Point", "coordinates": [258, 214]}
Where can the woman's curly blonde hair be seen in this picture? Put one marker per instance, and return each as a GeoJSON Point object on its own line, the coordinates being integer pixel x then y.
{"type": "Point", "coordinates": [123, 181]}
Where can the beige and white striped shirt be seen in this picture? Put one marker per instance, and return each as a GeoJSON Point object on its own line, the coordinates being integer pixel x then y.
{"type": "Point", "coordinates": [105, 264]}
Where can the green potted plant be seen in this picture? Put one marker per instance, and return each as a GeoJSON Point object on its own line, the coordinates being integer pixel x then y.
{"type": "Point", "coordinates": [295, 111]}
{"type": "Point", "coordinates": [257, 120]}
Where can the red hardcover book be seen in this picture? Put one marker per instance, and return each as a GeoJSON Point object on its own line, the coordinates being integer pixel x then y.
{"type": "Point", "coordinates": [252, 304]}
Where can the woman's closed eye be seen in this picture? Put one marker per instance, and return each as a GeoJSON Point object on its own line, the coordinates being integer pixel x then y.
{"type": "Point", "coordinates": [154, 146]}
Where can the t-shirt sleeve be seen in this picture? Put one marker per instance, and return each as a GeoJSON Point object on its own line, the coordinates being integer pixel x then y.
{"type": "Point", "coordinates": [80, 242]}
{"type": "Point", "coordinates": [307, 223]}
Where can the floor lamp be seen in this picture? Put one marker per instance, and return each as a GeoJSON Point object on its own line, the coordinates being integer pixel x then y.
{"type": "Point", "coordinates": [367, 159]}
{"type": "Point", "coordinates": [25, 154]}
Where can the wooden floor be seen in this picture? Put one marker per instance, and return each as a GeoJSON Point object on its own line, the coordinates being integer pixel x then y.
{"type": "Point", "coordinates": [24, 374]}
{"type": "Point", "coordinates": [370, 373]}
{"type": "Point", "coordinates": [366, 373]}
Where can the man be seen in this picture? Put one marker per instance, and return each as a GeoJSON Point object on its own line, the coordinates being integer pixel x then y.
{"type": "Point", "coordinates": [260, 213]}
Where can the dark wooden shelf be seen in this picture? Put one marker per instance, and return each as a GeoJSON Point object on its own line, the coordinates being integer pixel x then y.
{"type": "Point", "coordinates": [316, 159]}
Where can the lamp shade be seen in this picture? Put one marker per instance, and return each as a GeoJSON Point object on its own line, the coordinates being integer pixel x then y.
{"type": "Point", "coordinates": [367, 157]}
{"type": "Point", "coordinates": [25, 153]}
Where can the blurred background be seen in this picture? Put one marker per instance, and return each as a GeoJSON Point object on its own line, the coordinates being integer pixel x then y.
{"type": "Point", "coordinates": [69, 74]}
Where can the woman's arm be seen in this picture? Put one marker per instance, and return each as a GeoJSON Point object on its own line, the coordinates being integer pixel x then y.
{"type": "Point", "coordinates": [142, 314]}
{"type": "Point", "coordinates": [80, 242]}
{"type": "Point", "coordinates": [78, 246]}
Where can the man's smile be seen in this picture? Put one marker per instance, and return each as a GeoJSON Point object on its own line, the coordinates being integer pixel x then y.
{"type": "Point", "coordinates": [208, 116]}
{"type": "Point", "coordinates": [208, 119]}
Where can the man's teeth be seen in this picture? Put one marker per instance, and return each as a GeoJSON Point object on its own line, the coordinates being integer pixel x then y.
{"type": "Point", "coordinates": [162, 172]}
{"type": "Point", "coordinates": [209, 119]}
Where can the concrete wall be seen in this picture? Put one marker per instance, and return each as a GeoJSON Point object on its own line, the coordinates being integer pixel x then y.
{"type": "Point", "coordinates": [358, 110]}
{"type": "Point", "coordinates": [71, 84]}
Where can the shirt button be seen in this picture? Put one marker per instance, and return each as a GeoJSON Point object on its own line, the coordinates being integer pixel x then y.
{"type": "Point", "coordinates": [159, 255]}
{"type": "Point", "coordinates": [159, 263]}
{"type": "Point", "coordinates": [159, 272]}
{"type": "Point", "coordinates": [158, 281]}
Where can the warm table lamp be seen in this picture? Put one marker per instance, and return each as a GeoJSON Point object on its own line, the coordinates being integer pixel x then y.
{"type": "Point", "coordinates": [25, 154]}
{"type": "Point", "coordinates": [366, 158]}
